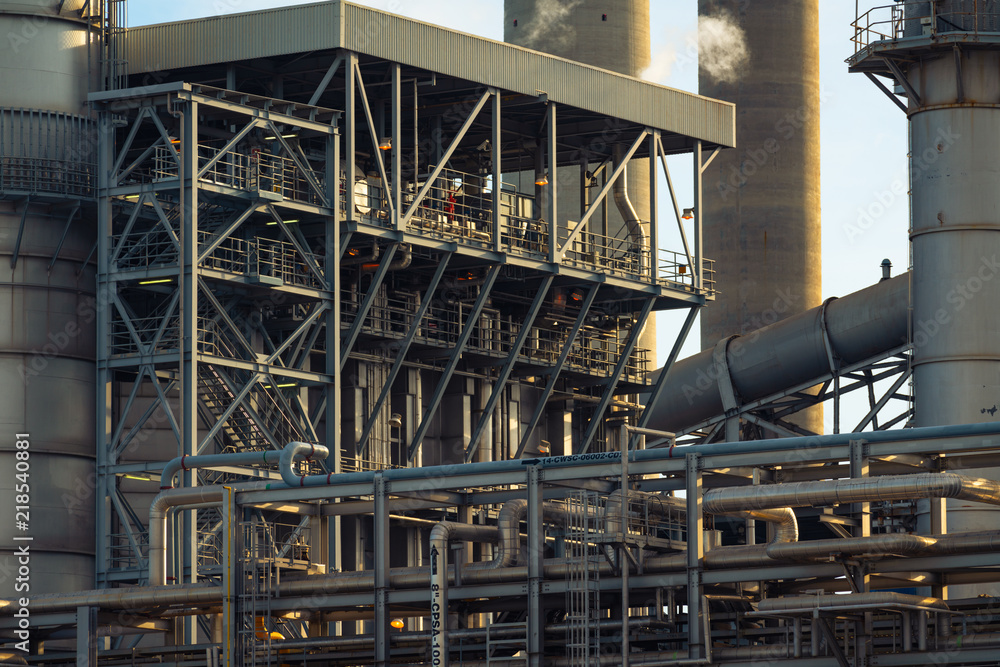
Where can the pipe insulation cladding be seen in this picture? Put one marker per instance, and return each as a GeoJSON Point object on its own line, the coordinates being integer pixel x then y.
{"type": "Point", "coordinates": [785, 354]}
{"type": "Point", "coordinates": [761, 201]}
{"type": "Point", "coordinates": [47, 295]}
{"type": "Point", "coordinates": [954, 126]}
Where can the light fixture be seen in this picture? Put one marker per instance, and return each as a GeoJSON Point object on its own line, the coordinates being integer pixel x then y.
{"type": "Point", "coordinates": [385, 143]}
{"type": "Point", "coordinates": [396, 421]}
{"type": "Point", "coordinates": [682, 269]}
{"type": "Point", "coordinates": [397, 623]}
{"type": "Point", "coordinates": [281, 386]}
{"type": "Point", "coordinates": [157, 281]}
{"type": "Point", "coordinates": [284, 136]}
{"type": "Point", "coordinates": [542, 179]}
{"type": "Point", "coordinates": [275, 224]}
{"type": "Point", "coordinates": [687, 214]}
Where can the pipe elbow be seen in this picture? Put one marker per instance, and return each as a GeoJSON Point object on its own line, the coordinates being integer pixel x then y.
{"type": "Point", "coordinates": [294, 451]}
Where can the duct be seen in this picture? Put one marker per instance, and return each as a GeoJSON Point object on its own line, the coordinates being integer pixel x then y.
{"type": "Point", "coordinates": [236, 458]}
{"type": "Point", "coordinates": [632, 222]}
{"type": "Point", "coordinates": [789, 353]}
{"type": "Point", "coordinates": [844, 491]}
{"type": "Point", "coordinates": [849, 601]}
{"type": "Point", "coordinates": [958, 543]}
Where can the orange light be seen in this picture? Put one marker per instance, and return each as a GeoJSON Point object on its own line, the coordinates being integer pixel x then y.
{"type": "Point", "coordinates": [688, 214]}
{"type": "Point", "coordinates": [397, 623]}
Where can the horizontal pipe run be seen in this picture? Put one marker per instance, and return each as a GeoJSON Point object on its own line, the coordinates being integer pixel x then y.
{"type": "Point", "coordinates": [802, 443]}
{"type": "Point", "coordinates": [846, 491]}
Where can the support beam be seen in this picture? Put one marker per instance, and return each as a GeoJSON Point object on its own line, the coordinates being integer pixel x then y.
{"type": "Point", "coordinates": [456, 356]}
{"type": "Point", "coordinates": [554, 372]}
{"type": "Point", "coordinates": [612, 382]}
{"type": "Point", "coordinates": [695, 554]}
{"type": "Point", "coordinates": [62, 239]}
{"type": "Point", "coordinates": [396, 133]}
{"type": "Point", "coordinates": [327, 78]}
{"type": "Point", "coordinates": [366, 305]}
{"type": "Point", "coordinates": [381, 543]}
{"type": "Point", "coordinates": [596, 204]}
{"type": "Point", "coordinates": [661, 381]}
{"type": "Point", "coordinates": [508, 367]}
{"type": "Point", "coordinates": [536, 565]}
{"type": "Point", "coordinates": [497, 159]}
{"type": "Point", "coordinates": [447, 156]}
{"type": "Point", "coordinates": [404, 348]}
{"type": "Point", "coordinates": [20, 233]}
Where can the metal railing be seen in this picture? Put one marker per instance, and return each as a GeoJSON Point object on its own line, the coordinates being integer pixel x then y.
{"type": "Point", "coordinates": [45, 176]}
{"type": "Point", "coordinates": [594, 352]}
{"type": "Point", "coordinates": [254, 172]}
{"type": "Point", "coordinates": [261, 256]}
{"type": "Point", "coordinates": [918, 18]}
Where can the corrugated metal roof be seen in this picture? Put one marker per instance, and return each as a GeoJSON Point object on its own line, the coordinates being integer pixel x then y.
{"type": "Point", "coordinates": [332, 25]}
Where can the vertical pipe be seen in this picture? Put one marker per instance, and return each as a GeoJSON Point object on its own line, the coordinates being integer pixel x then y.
{"type": "Point", "coordinates": [695, 553]}
{"type": "Point", "coordinates": [381, 545]}
{"type": "Point", "coordinates": [188, 570]}
{"type": "Point", "coordinates": [397, 147]}
{"type": "Point", "coordinates": [497, 160]}
{"type": "Point", "coordinates": [552, 153]}
{"type": "Point", "coordinates": [536, 555]}
{"type": "Point", "coordinates": [699, 252]}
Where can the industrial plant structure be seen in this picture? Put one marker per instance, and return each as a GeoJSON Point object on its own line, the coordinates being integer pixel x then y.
{"type": "Point", "coordinates": [314, 358]}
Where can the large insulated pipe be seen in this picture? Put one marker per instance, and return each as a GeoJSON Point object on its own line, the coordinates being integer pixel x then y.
{"type": "Point", "coordinates": [610, 34]}
{"type": "Point", "coordinates": [785, 354]}
{"type": "Point", "coordinates": [761, 202]}
{"type": "Point", "coordinates": [48, 292]}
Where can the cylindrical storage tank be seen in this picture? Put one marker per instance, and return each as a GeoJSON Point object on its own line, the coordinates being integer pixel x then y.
{"type": "Point", "coordinates": [47, 340]}
{"type": "Point", "coordinates": [761, 201]}
{"type": "Point", "coordinates": [610, 34]}
{"type": "Point", "coordinates": [955, 235]}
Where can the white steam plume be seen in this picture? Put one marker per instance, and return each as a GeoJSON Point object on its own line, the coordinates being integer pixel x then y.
{"type": "Point", "coordinates": [722, 47]}
{"type": "Point", "coordinates": [548, 28]}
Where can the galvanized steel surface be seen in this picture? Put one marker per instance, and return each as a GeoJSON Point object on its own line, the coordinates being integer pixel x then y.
{"type": "Point", "coordinates": [331, 25]}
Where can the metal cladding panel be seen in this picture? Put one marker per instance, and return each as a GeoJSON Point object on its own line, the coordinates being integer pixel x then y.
{"type": "Point", "coordinates": [324, 26]}
{"type": "Point", "coordinates": [234, 37]}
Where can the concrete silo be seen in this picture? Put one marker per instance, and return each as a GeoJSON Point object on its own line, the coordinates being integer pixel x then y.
{"type": "Point", "coordinates": [762, 201]}
{"type": "Point", "coordinates": [47, 284]}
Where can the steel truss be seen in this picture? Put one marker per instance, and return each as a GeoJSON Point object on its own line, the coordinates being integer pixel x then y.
{"type": "Point", "coordinates": [259, 288]}
{"type": "Point", "coordinates": [883, 378]}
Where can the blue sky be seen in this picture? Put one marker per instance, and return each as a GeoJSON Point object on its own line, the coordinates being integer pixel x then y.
{"type": "Point", "coordinates": [863, 146]}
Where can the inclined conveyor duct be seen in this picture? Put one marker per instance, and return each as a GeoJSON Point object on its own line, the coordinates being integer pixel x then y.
{"type": "Point", "coordinates": [789, 353]}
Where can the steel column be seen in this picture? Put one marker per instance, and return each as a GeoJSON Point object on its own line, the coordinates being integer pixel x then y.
{"type": "Point", "coordinates": [552, 151]}
{"type": "Point", "coordinates": [188, 284]}
{"type": "Point", "coordinates": [695, 554]}
{"type": "Point", "coordinates": [86, 636]}
{"type": "Point", "coordinates": [397, 148]}
{"type": "Point", "coordinates": [536, 562]}
{"type": "Point", "coordinates": [554, 372]}
{"type": "Point", "coordinates": [404, 349]}
{"type": "Point", "coordinates": [609, 391]}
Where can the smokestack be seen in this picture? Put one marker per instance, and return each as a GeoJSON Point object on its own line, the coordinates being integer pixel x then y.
{"type": "Point", "coordinates": [762, 200]}
{"type": "Point", "coordinates": [612, 35]}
